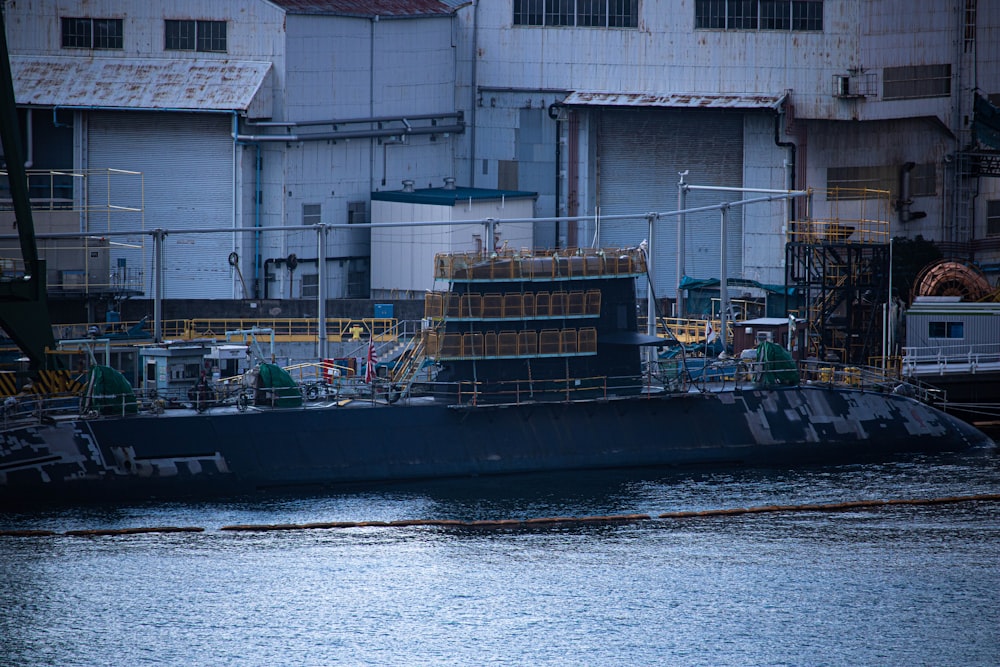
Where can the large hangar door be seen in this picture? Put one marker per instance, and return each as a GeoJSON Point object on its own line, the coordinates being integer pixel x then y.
{"type": "Point", "coordinates": [641, 152]}
{"type": "Point", "coordinates": [187, 166]}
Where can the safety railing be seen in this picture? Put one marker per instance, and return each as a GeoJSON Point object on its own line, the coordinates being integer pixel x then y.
{"type": "Point", "coordinates": [517, 265]}
{"type": "Point", "coordinates": [844, 215]}
{"type": "Point", "coordinates": [568, 389]}
{"type": "Point", "coordinates": [943, 359]}
{"type": "Point", "coordinates": [512, 306]}
{"type": "Point", "coordinates": [511, 344]}
{"type": "Point", "coordinates": [866, 377]}
{"type": "Point", "coordinates": [285, 329]}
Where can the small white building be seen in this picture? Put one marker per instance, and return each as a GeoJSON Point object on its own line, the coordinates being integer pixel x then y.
{"type": "Point", "coordinates": [446, 219]}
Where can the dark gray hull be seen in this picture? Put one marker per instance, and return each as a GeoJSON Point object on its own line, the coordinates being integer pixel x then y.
{"type": "Point", "coordinates": [225, 451]}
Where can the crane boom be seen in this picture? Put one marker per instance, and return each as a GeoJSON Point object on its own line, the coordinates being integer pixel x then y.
{"type": "Point", "coordinates": [24, 312]}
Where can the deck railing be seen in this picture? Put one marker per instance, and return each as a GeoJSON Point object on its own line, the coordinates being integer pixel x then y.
{"type": "Point", "coordinates": [944, 359]}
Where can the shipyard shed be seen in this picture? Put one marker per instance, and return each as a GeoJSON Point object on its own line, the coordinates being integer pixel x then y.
{"type": "Point", "coordinates": [241, 117]}
{"type": "Point", "coordinates": [445, 219]}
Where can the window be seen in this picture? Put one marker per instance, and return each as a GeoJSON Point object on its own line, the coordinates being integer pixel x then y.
{"type": "Point", "coordinates": [623, 14]}
{"type": "Point", "coordinates": [993, 217]}
{"type": "Point", "coordinates": [528, 12]}
{"type": "Point", "coordinates": [311, 214]}
{"type": "Point", "coordinates": [84, 33]}
{"type": "Point", "coordinates": [208, 36]}
{"type": "Point", "coordinates": [578, 13]}
{"type": "Point", "coordinates": [310, 285]}
{"type": "Point", "coordinates": [179, 36]}
{"type": "Point", "coordinates": [592, 13]}
{"type": "Point", "coordinates": [800, 15]}
{"type": "Point", "coordinates": [774, 15]}
{"type": "Point", "coordinates": [212, 36]}
{"type": "Point", "coordinates": [916, 81]}
{"type": "Point", "coordinates": [559, 12]}
{"type": "Point", "coordinates": [807, 15]}
{"type": "Point", "coordinates": [946, 329]}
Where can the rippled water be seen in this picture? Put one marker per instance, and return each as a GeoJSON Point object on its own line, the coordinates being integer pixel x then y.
{"type": "Point", "coordinates": [893, 585]}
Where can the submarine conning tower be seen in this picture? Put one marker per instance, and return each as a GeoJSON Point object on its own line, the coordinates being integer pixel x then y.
{"type": "Point", "coordinates": [530, 325]}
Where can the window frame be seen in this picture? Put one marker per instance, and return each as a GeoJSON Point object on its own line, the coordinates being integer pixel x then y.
{"type": "Point", "coordinates": [312, 214]}
{"type": "Point", "coordinates": [576, 13]}
{"type": "Point", "coordinates": [100, 34]}
{"type": "Point", "coordinates": [759, 15]}
{"type": "Point", "coordinates": [178, 34]}
{"type": "Point", "coordinates": [946, 330]}
{"type": "Point", "coordinates": [198, 35]}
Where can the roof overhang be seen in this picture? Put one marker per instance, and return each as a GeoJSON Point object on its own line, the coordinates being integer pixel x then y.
{"type": "Point", "coordinates": [370, 9]}
{"type": "Point", "coordinates": [149, 84]}
{"type": "Point", "coordinates": [676, 100]}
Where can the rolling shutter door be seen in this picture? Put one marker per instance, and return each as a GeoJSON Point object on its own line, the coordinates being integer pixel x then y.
{"type": "Point", "coordinates": [186, 162]}
{"type": "Point", "coordinates": [641, 153]}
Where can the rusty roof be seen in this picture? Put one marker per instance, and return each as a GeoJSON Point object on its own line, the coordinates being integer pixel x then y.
{"type": "Point", "coordinates": [676, 100]}
{"type": "Point", "coordinates": [367, 8]}
{"type": "Point", "coordinates": [146, 83]}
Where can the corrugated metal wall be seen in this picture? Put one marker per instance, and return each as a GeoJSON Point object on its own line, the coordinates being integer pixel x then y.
{"type": "Point", "coordinates": [979, 328]}
{"type": "Point", "coordinates": [186, 161]}
{"type": "Point", "coordinates": [641, 152]}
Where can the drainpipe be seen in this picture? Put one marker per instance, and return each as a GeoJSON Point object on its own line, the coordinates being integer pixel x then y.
{"type": "Point", "coordinates": [789, 165]}
{"type": "Point", "coordinates": [682, 190]}
{"type": "Point", "coordinates": [474, 93]}
{"type": "Point", "coordinates": [371, 104]}
{"type": "Point", "coordinates": [321, 230]}
{"type": "Point", "coordinates": [237, 205]}
{"type": "Point", "coordinates": [158, 236]}
{"type": "Point", "coordinates": [238, 140]}
{"type": "Point", "coordinates": [257, 194]}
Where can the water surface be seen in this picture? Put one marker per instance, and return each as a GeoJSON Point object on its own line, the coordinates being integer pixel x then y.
{"type": "Point", "coordinates": [893, 585]}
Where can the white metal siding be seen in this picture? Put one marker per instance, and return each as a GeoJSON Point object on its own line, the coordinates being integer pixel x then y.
{"type": "Point", "coordinates": [641, 153]}
{"type": "Point", "coordinates": [186, 161]}
{"type": "Point", "coordinates": [402, 258]}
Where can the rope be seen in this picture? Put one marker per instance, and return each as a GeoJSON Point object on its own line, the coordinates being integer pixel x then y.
{"type": "Point", "coordinates": [516, 523]}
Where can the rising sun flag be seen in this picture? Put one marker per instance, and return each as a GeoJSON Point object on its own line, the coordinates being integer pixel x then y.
{"type": "Point", "coordinates": [370, 364]}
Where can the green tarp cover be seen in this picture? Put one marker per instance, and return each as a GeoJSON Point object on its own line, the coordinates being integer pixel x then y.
{"type": "Point", "coordinates": [687, 282]}
{"type": "Point", "coordinates": [776, 364]}
{"type": "Point", "coordinates": [109, 393]}
{"type": "Point", "coordinates": [285, 392]}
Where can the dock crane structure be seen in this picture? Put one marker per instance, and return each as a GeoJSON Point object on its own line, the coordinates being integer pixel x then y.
{"type": "Point", "coordinates": [24, 312]}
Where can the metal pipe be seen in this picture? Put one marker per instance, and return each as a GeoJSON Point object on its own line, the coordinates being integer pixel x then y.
{"type": "Point", "coordinates": [352, 134]}
{"type": "Point", "coordinates": [257, 268]}
{"type": "Point", "coordinates": [724, 188]}
{"type": "Point", "coordinates": [158, 235]}
{"type": "Point", "coordinates": [474, 93]}
{"type": "Point", "coordinates": [352, 121]}
{"type": "Point", "coordinates": [682, 189]}
{"type": "Point", "coordinates": [651, 219]}
{"type": "Point", "coordinates": [723, 279]}
{"type": "Point", "coordinates": [321, 290]}
{"type": "Point", "coordinates": [361, 225]}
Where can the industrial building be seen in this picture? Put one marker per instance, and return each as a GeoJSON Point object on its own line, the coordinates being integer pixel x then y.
{"type": "Point", "coordinates": [266, 113]}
